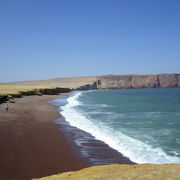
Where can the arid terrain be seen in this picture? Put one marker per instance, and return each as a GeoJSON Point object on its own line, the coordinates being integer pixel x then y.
{"type": "Point", "coordinates": [101, 82]}
{"type": "Point", "coordinates": [122, 172]}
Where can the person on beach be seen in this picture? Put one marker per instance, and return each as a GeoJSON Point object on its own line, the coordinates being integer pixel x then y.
{"type": "Point", "coordinates": [7, 107]}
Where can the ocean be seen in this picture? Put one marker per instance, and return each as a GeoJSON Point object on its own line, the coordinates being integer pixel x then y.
{"type": "Point", "coordinates": [141, 124]}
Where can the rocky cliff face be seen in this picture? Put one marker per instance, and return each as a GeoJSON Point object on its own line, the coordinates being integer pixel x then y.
{"type": "Point", "coordinates": [138, 81]}
{"type": "Point", "coordinates": [178, 79]}
{"type": "Point", "coordinates": [168, 80]}
{"type": "Point", "coordinates": [88, 86]}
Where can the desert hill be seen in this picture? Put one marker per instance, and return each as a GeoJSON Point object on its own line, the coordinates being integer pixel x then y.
{"type": "Point", "coordinates": [111, 81]}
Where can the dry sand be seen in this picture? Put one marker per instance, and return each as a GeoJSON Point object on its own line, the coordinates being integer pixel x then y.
{"type": "Point", "coordinates": [30, 143]}
{"type": "Point", "coordinates": [122, 172]}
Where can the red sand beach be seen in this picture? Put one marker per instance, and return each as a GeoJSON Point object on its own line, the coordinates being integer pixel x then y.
{"type": "Point", "coordinates": [31, 145]}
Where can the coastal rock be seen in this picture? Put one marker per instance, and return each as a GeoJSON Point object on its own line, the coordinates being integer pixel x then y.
{"type": "Point", "coordinates": [143, 81]}
{"type": "Point", "coordinates": [128, 81]}
{"type": "Point", "coordinates": [122, 172]}
{"type": "Point", "coordinates": [88, 86]}
{"type": "Point", "coordinates": [139, 81]}
{"type": "Point", "coordinates": [168, 80]}
{"type": "Point", "coordinates": [3, 98]}
{"type": "Point", "coordinates": [54, 91]}
{"type": "Point", "coordinates": [115, 82]}
{"type": "Point", "coordinates": [178, 79]}
{"type": "Point", "coordinates": [43, 91]}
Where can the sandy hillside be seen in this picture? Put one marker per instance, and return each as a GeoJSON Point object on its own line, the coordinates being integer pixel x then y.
{"type": "Point", "coordinates": [122, 172]}
{"type": "Point", "coordinates": [60, 82]}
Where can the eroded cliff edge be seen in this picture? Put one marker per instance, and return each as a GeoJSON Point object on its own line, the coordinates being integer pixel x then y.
{"type": "Point", "coordinates": [139, 81]}
{"type": "Point", "coordinates": [134, 81]}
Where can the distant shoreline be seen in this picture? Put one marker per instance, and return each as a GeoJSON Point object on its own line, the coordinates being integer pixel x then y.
{"type": "Point", "coordinates": [59, 85]}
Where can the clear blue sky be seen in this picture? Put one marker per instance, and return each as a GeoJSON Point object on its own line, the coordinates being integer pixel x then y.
{"type": "Point", "coordinates": [42, 39]}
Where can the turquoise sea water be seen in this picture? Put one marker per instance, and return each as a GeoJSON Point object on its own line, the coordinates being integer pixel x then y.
{"type": "Point", "coordinates": [142, 124]}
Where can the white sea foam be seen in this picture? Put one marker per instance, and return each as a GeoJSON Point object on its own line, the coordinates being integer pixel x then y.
{"type": "Point", "coordinates": [99, 105]}
{"type": "Point", "coordinates": [132, 148]}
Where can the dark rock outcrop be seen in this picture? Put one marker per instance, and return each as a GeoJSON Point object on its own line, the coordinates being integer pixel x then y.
{"type": "Point", "coordinates": [50, 91]}
{"type": "Point", "coordinates": [3, 98]}
{"type": "Point", "coordinates": [88, 86]}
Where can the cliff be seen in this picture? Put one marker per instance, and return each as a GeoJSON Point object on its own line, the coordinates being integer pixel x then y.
{"type": "Point", "coordinates": [122, 172]}
{"type": "Point", "coordinates": [139, 81]}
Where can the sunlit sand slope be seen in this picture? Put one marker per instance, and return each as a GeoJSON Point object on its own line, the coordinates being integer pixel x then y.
{"type": "Point", "coordinates": [60, 82]}
{"type": "Point", "coordinates": [122, 172]}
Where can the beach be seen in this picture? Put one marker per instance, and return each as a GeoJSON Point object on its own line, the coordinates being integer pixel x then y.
{"type": "Point", "coordinates": [31, 144]}
{"type": "Point", "coordinates": [36, 141]}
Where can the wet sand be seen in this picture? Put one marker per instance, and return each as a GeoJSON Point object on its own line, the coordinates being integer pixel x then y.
{"type": "Point", "coordinates": [94, 151]}
{"type": "Point", "coordinates": [31, 144]}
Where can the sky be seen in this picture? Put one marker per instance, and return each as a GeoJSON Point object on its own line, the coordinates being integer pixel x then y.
{"type": "Point", "coordinates": [43, 39]}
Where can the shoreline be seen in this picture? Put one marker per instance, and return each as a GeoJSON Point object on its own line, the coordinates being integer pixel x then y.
{"type": "Point", "coordinates": [86, 146]}
{"type": "Point", "coordinates": [31, 144]}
